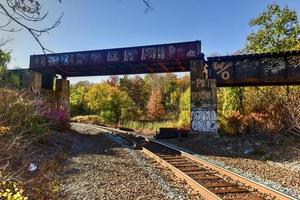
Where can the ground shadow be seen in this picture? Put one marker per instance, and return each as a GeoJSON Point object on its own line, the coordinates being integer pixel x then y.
{"type": "Point", "coordinates": [255, 147]}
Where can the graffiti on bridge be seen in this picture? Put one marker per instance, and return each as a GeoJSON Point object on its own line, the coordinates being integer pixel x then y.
{"type": "Point", "coordinates": [164, 52]}
{"type": "Point", "coordinates": [204, 120]}
{"type": "Point", "coordinates": [223, 69]}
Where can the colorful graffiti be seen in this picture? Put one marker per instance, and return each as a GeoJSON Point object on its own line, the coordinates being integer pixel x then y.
{"type": "Point", "coordinates": [204, 120]}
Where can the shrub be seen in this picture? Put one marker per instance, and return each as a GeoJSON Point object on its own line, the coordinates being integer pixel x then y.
{"type": "Point", "coordinates": [231, 124]}
{"type": "Point", "coordinates": [19, 113]}
{"type": "Point", "coordinates": [57, 118]}
{"type": "Point", "coordinates": [11, 190]}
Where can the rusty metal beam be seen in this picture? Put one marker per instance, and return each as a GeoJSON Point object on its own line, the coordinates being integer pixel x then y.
{"type": "Point", "coordinates": [164, 67]}
{"type": "Point", "coordinates": [130, 60]}
{"type": "Point", "coordinates": [282, 68]}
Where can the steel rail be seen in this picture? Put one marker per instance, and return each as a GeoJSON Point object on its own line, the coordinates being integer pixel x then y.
{"type": "Point", "coordinates": [248, 182]}
{"type": "Point", "coordinates": [195, 185]}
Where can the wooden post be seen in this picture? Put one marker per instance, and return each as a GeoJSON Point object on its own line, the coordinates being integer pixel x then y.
{"type": "Point", "coordinates": [203, 100]}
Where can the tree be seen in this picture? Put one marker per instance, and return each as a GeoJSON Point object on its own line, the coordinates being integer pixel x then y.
{"type": "Point", "coordinates": [170, 92]}
{"type": "Point", "coordinates": [184, 107]}
{"type": "Point", "coordinates": [4, 60]}
{"type": "Point", "coordinates": [233, 101]}
{"type": "Point", "coordinates": [155, 107]}
{"type": "Point", "coordinates": [278, 30]}
{"type": "Point", "coordinates": [108, 102]}
{"type": "Point", "coordinates": [136, 90]}
{"type": "Point", "coordinates": [116, 107]}
{"type": "Point", "coordinates": [78, 98]}
{"type": "Point", "coordinates": [113, 80]}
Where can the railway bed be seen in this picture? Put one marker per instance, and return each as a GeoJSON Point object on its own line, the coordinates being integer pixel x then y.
{"type": "Point", "coordinates": [211, 181]}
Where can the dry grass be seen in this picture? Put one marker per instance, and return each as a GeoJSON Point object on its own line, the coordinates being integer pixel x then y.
{"type": "Point", "coordinates": [91, 119]}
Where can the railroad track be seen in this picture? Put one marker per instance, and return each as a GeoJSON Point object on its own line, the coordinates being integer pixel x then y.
{"type": "Point", "coordinates": [211, 181]}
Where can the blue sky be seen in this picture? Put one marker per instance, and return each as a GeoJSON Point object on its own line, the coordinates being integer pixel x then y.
{"type": "Point", "coordinates": [221, 25]}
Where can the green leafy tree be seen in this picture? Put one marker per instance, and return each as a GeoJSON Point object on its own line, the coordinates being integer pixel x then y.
{"type": "Point", "coordinates": [233, 101]}
{"type": "Point", "coordinates": [171, 92]}
{"type": "Point", "coordinates": [78, 101]}
{"type": "Point", "coordinates": [109, 102]}
{"type": "Point", "coordinates": [184, 106]}
{"type": "Point", "coordinates": [136, 90]}
{"type": "Point", "coordinates": [278, 30]}
{"type": "Point", "coordinates": [7, 78]}
{"type": "Point", "coordinates": [116, 107]}
{"type": "Point", "coordinates": [4, 60]}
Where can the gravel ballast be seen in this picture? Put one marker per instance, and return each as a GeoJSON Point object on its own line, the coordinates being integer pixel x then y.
{"type": "Point", "coordinates": [104, 166]}
{"type": "Point", "coordinates": [281, 176]}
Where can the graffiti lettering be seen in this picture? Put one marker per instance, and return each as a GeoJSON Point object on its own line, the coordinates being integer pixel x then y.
{"type": "Point", "coordinates": [273, 65]}
{"type": "Point", "coordinates": [222, 69]}
{"type": "Point", "coordinates": [148, 53]}
{"type": "Point", "coordinates": [204, 121]}
{"type": "Point", "coordinates": [81, 58]}
{"type": "Point", "coordinates": [191, 54]}
{"type": "Point", "coordinates": [129, 55]}
{"type": "Point", "coordinates": [113, 56]}
{"type": "Point", "coordinates": [153, 53]}
{"type": "Point", "coordinates": [171, 51]}
{"type": "Point", "coordinates": [53, 60]}
{"type": "Point", "coordinates": [64, 59]}
{"type": "Point", "coordinates": [294, 61]}
{"type": "Point", "coordinates": [160, 53]}
{"type": "Point", "coordinates": [200, 83]}
{"type": "Point", "coordinates": [201, 95]}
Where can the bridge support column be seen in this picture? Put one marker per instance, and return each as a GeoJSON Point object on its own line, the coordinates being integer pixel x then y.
{"type": "Point", "coordinates": [63, 92]}
{"type": "Point", "coordinates": [33, 81]}
{"type": "Point", "coordinates": [203, 100]}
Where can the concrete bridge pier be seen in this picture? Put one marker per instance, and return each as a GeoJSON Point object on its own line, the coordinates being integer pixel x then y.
{"type": "Point", "coordinates": [203, 100]}
{"type": "Point", "coordinates": [33, 81]}
{"type": "Point", "coordinates": [62, 89]}
{"type": "Point", "coordinates": [58, 97]}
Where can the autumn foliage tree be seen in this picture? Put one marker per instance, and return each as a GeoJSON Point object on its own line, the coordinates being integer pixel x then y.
{"type": "Point", "coordinates": [155, 107]}
{"type": "Point", "coordinates": [263, 109]}
{"type": "Point", "coordinates": [108, 102]}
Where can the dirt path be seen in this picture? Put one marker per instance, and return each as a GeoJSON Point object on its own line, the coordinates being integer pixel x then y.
{"type": "Point", "coordinates": [101, 168]}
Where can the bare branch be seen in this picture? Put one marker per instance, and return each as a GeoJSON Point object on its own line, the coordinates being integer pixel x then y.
{"type": "Point", "coordinates": [8, 22]}
{"type": "Point", "coordinates": [148, 5]}
{"type": "Point", "coordinates": [4, 42]}
{"type": "Point", "coordinates": [10, 30]}
{"type": "Point", "coordinates": [28, 11]}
